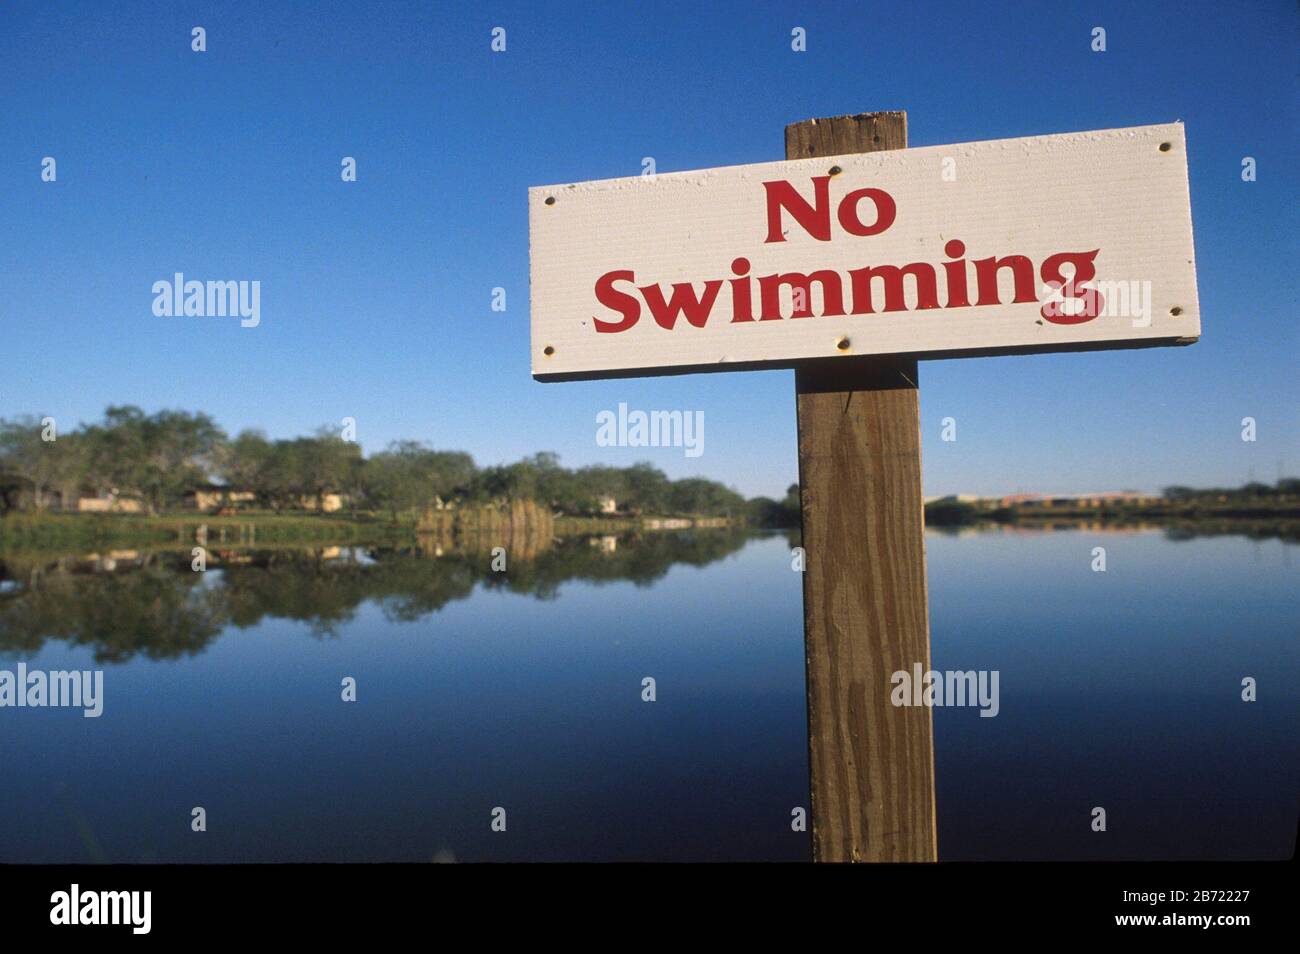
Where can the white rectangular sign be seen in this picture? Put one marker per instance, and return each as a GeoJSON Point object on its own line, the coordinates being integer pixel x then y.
{"type": "Point", "coordinates": [1049, 243]}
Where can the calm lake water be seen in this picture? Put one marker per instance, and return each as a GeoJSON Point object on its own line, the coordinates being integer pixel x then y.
{"type": "Point", "coordinates": [523, 690]}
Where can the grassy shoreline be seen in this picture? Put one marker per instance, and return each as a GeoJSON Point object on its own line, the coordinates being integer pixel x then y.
{"type": "Point", "coordinates": [73, 531]}
{"type": "Point", "coordinates": [22, 531]}
{"type": "Point", "coordinates": [46, 531]}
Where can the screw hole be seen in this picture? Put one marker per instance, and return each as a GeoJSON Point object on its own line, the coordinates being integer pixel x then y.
{"type": "Point", "coordinates": [550, 200]}
{"type": "Point", "coordinates": [1175, 311]}
{"type": "Point", "coordinates": [842, 344]}
{"type": "Point", "coordinates": [548, 351]}
{"type": "Point", "coordinates": [836, 170]}
{"type": "Point", "coordinates": [1165, 147]}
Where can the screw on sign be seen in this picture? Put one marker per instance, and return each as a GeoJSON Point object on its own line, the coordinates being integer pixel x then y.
{"type": "Point", "coordinates": [848, 262]}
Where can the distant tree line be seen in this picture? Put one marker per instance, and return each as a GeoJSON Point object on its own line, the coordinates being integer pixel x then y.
{"type": "Point", "coordinates": [766, 512]}
{"type": "Point", "coordinates": [1286, 487]}
{"type": "Point", "coordinates": [161, 459]}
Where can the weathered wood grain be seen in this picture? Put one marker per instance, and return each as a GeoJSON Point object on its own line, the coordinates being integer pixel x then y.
{"type": "Point", "coordinates": [865, 609]}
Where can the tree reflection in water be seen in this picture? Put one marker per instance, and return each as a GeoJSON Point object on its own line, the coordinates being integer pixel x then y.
{"type": "Point", "coordinates": [153, 604]}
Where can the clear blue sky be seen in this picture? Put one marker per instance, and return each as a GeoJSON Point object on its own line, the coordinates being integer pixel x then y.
{"type": "Point", "coordinates": [376, 294]}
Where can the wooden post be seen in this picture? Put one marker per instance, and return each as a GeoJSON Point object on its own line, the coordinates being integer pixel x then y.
{"type": "Point", "coordinates": [865, 613]}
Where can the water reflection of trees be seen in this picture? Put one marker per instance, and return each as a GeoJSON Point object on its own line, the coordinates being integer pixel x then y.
{"type": "Point", "coordinates": [154, 605]}
{"type": "Point", "coordinates": [152, 610]}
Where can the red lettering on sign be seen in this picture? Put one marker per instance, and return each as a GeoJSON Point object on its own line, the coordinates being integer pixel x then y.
{"type": "Point", "coordinates": [886, 212]}
{"type": "Point", "coordinates": [814, 218]}
{"type": "Point", "coordinates": [621, 302]}
{"type": "Point", "coordinates": [1084, 271]}
{"type": "Point", "coordinates": [684, 302]}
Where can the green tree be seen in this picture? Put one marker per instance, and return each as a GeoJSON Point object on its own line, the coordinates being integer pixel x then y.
{"type": "Point", "coordinates": [409, 475]}
{"type": "Point", "coordinates": [451, 473]}
{"type": "Point", "coordinates": [35, 457]}
{"type": "Point", "coordinates": [157, 457]}
{"type": "Point", "coordinates": [647, 488]}
{"type": "Point", "coordinates": [325, 464]}
{"type": "Point", "coordinates": [244, 463]}
{"type": "Point", "coordinates": [698, 496]}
